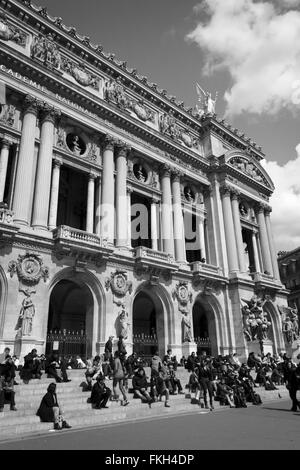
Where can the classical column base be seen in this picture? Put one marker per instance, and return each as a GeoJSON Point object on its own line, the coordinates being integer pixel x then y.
{"type": "Point", "coordinates": [188, 348]}
{"type": "Point", "coordinates": [24, 345]}
{"type": "Point", "coordinates": [266, 346]}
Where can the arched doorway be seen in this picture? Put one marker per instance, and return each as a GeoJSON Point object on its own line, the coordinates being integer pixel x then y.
{"type": "Point", "coordinates": [70, 319]}
{"type": "Point", "coordinates": [204, 327]}
{"type": "Point", "coordinates": [148, 325]}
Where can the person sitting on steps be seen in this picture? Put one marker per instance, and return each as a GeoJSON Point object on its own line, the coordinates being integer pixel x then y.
{"type": "Point", "coordinates": [100, 393]}
{"type": "Point", "coordinates": [49, 410]}
{"type": "Point", "coordinates": [140, 385]}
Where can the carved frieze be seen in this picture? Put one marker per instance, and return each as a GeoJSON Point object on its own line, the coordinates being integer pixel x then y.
{"type": "Point", "coordinates": [142, 112]}
{"type": "Point", "coordinates": [168, 126]}
{"type": "Point", "coordinates": [114, 92]}
{"type": "Point", "coordinates": [80, 73]}
{"type": "Point", "coordinates": [118, 283]}
{"type": "Point", "coordinates": [29, 268]}
{"type": "Point", "coordinates": [45, 50]}
{"type": "Point", "coordinates": [11, 33]}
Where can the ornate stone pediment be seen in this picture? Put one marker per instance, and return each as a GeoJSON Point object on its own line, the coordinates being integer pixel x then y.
{"type": "Point", "coordinates": [249, 166]}
{"type": "Point", "coordinates": [10, 33]}
{"type": "Point", "coordinates": [29, 268]}
{"type": "Point", "coordinates": [118, 283]}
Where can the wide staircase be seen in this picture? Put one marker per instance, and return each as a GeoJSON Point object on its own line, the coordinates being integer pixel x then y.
{"type": "Point", "coordinates": [79, 413]}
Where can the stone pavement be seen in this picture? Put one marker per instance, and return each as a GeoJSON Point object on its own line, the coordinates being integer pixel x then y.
{"type": "Point", "coordinates": [79, 413]}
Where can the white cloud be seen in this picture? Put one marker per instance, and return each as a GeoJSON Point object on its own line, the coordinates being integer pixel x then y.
{"type": "Point", "coordinates": [285, 202]}
{"type": "Point", "coordinates": [258, 43]}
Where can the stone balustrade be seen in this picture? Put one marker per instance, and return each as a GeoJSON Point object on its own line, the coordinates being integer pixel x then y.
{"type": "Point", "coordinates": [69, 233]}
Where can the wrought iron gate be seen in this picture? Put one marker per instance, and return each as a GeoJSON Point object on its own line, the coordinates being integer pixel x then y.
{"type": "Point", "coordinates": [67, 342]}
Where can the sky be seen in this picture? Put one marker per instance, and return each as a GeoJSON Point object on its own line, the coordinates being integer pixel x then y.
{"type": "Point", "coordinates": [247, 50]}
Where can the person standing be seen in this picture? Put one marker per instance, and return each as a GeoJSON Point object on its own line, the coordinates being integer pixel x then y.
{"type": "Point", "coordinates": [7, 385]}
{"type": "Point", "coordinates": [119, 378]}
{"type": "Point", "coordinates": [292, 379]}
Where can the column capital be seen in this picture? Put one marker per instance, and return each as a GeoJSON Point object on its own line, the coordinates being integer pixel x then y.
{"type": "Point", "coordinates": [57, 161]}
{"type": "Point", "coordinates": [176, 174]}
{"type": "Point", "coordinates": [268, 209]}
{"type": "Point", "coordinates": [260, 207]}
{"type": "Point", "coordinates": [49, 113]}
{"type": "Point", "coordinates": [109, 142]}
{"type": "Point", "coordinates": [235, 194]}
{"type": "Point", "coordinates": [31, 105]}
{"type": "Point", "coordinates": [5, 143]}
{"type": "Point", "coordinates": [155, 200]}
{"type": "Point", "coordinates": [122, 149]}
{"type": "Point", "coordinates": [165, 170]}
{"type": "Point", "coordinates": [225, 190]}
{"type": "Point", "coordinates": [92, 175]}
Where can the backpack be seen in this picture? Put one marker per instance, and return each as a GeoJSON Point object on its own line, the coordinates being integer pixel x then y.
{"type": "Point", "coordinates": [256, 399]}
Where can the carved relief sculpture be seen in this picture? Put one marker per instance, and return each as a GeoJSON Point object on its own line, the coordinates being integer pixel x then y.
{"type": "Point", "coordinates": [10, 33]}
{"type": "Point", "coordinates": [256, 323]}
{"type": "Point", "coordinates": [29, 268]}
{"type": "Point", "coordinates": [7, 115]}
{"type": "Point", "coordinates": [114, 93]}
{"type": "Point", "coordinates": [290, 323]}
{"type": "Point", "coordinates": [118, 283]}
{"type": "Point", "coordinates": [45, 50]}
{"type": "Point", "coordinates": [80, 73]}
{"type": "Point", "coordinates": [142, 112]}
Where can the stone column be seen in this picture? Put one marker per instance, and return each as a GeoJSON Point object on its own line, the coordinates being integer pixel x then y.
{"type": "Point", "coordinates": [3, 165]}
{"type": "Point", "coordinates": [154, 232]}
{"type": "Point", "coordinates": [255, 252]}
{"type": "Point", "coordinates": [108, 197]}
{"type": "Point", "coordinates": [129, 192]}
{"type": "Point", "coordinates": [54, 195]}
{"type": "Point", "coordinates": [202, 238]}
{"type": "Point", "coordinates": [233, 265]}
{"type": "Point", "coordinates": [166, 211]}
{"type": "Point", "coordinates": [238, 229]}
{"type": "Point", "coordinates": [121, 197]}
{"type": "Point", "coordinates": [25, 170]}
{"type": "Point", "coordinates": [271, 243]}
{"type": "Point", "coordinates": [90, 203]}
{"type": "Point", "coordinates": [266, 256]}
{"type": "Point", "coordinates": [98, 207]}
{"type": "Point", "coordinates": [43, 175]}
{"type": "Point", "coordinates": [178, 218]}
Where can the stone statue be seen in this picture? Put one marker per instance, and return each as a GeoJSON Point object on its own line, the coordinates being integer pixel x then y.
{"type": "Point", "coordinates": [186, 328]}
{"type": "Point", "coordinates": [75, 145]}
{"type": "Point", "coordinates": [26, 315]}
{"type": "Point", "coordinates": [256, 323]}
{"type": "Point", "coordinates": [290, 322]}
{"type": "Point", "coordinates": [124, 323]}
{"type": "Point", "coordinates": [140, 175]}
{"type": "Point", "coordinates": [207, 104]}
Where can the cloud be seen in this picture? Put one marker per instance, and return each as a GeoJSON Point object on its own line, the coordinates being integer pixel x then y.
{"type": "Point", "coordinates": [258, 43]}
{"type": "Point", "coordinates": [285, 202]}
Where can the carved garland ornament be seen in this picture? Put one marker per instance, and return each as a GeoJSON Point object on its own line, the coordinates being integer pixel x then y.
{"type": "Point", "coordinates": [29, 268]}
{"type": "Point", "coordinates": [118, 283]}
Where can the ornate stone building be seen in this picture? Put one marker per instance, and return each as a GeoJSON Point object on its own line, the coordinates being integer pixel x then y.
{"type": "Point", "coordinates": [123, 212]}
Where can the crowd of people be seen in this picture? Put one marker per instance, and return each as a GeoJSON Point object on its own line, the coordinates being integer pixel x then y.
{"type": "Point", "coordinates": [222, 378]}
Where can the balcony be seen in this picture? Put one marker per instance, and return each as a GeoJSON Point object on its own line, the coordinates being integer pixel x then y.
{"type": "Point", "coordinates": [154, 262]}
{"type": "Point", "coordinates": [266, 283]}
{"type": "Point", "coordinates": [83, 245]}
{"type": "Point", "coordinates": [7, 228]}
{"type": "Point", "coordinates": [207, 276]}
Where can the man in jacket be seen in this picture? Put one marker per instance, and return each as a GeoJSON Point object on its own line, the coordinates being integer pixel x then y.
{"type": "Point", "coordinates": [7, 385]}
{"type": "Point", "coordinates": [140, 385]}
